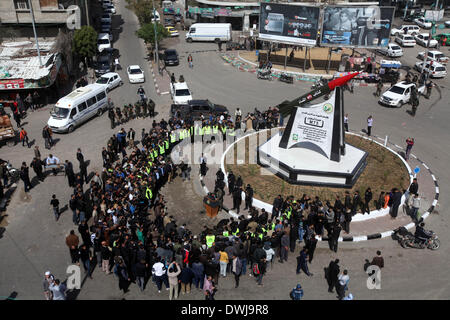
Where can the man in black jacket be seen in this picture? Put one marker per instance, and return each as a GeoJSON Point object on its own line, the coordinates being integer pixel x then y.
{"type": "Point", "coordinates": [276, 207]}
{"type": "Point", "coordinates": [356, 202]}
{"type": "Point", "coordinates": [25, 176]}
{"type": "Point", "coordinates": [332, 274]}
{"type": "Point", "coordinates": [68, 168]}
{"type": "Point", "coordinates": [231, 182]}
{"type": "Point", "coordinates": [248, 197]}
{"type": "Point", "coordinates": [367, 199]}
{"type": "Point", "coordinates": [237, 199]}
{"type": "Point", "coordinates": [36, 164]}
{"type": "Point", "coordinates": [396, 200]}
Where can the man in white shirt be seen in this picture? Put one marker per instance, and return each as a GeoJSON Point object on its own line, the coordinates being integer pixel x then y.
{"type": "Point", "coordinates": [343, 282]}
{"type": "Point", "coordinates": [159, 272]}
{"type": "Point", "coordinates": [53, 162]}
{"type": "Point", "coordinates": [369, 125]}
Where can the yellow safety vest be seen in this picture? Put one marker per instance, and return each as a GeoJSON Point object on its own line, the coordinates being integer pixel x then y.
{"type": "Point", "coordinates": [273, 226]}
{"type": "Point", "coordinates": [167, 144]}
{"type": "Point", "coordinates": [148, 170]}
{"type": "Point", "coordinates": [161, 149]}
{"type": "Point", "coordinates": [215, 129]}
{"type": "Point", "coordinates": [236, 232]}
{"type": "Point", "coordinates": [155, 153]}
{"type": "Point", "coordinates": [210, 240]}
{"type": "Point", "coordinates": [224, 129]}
{"type": "Point", "coordinates": [200, 131]}
{"type": "Point", "coordinates": [225, 233]}
{"type": "Point", "coordinates": [191, 131]}
{"type": "Point", "coordinates": [207, 130]}
{"type": "Point", "coordinates": [231, 132]}
{"type": "Point", "coordinates": [148, 193]}
{"type": "Point", "coordinates": [173, 138]}
{"type": "Point", "coordinates": [260, 236]}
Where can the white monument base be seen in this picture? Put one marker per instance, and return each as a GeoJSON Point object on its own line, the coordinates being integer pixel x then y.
{"type": "Point", "coordinates": [308, 167]}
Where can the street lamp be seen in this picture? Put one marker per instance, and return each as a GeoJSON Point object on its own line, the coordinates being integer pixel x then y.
{"type": "Point", "coordinates": [34, 30]}
{"type": "Point", "coordinates": [156, 37]}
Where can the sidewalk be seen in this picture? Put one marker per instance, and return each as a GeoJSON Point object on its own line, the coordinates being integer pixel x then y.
{"type": "Point", "coordinates": [160, 80]}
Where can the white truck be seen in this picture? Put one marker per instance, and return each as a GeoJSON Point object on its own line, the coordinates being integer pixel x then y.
{"type": "Point", "coordinates": [180, 93]}
{"type": "Point", "coordinates": [209, 32]}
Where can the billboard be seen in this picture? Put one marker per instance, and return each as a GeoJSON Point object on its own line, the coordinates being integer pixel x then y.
{"type": "Point", "coordinates": [289, 23]}
{"type": "Point", "coordinates": [351, 26]}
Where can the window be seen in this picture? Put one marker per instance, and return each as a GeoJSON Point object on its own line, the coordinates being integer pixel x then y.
{"type": "Point", "coordinates": [82, 106]}
{"type": "Point", "coordinates": [101, 96]}
{"type": "Point", "coordinates": [192, 30]}
{"type": "Point", "coordinates": [91, 101]}
{"type": "Point", "coordinates": [21, 4]}
{"type": "Point", "coordinates": [73, 113]}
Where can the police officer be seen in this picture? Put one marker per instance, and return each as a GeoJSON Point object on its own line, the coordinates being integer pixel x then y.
{"type": "Point", "coordinates": [237, 199]}
{"type": "Point", "coordinates": [379, 88]}
{"type": "Point", "coordinates": [248, 197]}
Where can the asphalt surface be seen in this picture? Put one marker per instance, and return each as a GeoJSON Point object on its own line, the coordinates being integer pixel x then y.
{"type": "Point", "coordinates": [32, 242]}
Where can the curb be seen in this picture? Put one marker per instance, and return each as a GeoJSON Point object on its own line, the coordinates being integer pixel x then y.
{"type": "Point", "coordinates": [154, 80]}
{"type": "Point", "coordinates": [363, 237]}
{"type": "Point", "coordinates": [299, 76]}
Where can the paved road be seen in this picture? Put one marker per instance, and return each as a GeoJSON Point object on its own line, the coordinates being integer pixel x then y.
{"type": "Point", "coordinates": [33, 242]}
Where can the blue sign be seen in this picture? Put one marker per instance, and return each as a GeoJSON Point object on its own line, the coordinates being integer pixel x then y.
{"type": "Point", "coordinates": [416, 170]}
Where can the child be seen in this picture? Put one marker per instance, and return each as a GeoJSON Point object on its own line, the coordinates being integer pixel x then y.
{"type": "Point", "coordinates": [55, 203]}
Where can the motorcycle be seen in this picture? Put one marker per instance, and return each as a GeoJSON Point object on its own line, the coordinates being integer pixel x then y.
{"type": "Point", "coordinates": [264, 74]}
{"type": "Point", "coordinates": [284, 77]}
{"type": "Point", "coordinates": [408, 240]}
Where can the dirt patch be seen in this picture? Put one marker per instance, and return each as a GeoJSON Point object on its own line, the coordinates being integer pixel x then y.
{"type": "Point", "coordinates": [383, 172]}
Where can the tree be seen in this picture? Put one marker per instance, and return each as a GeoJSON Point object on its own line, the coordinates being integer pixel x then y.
{"type": "Point", "coordinates": [85, 42]}
{"type": "Point", "coordinates": [143, 10]}
{"type": "Point", "coordinates": [147, 32]}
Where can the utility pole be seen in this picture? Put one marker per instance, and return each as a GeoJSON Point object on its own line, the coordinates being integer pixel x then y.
{"type": "Point", "coordinates": [35, 34]}
{"type": "Point", "coordinates": [87, 12]}
{"type": "Point", "coordinates": [156, 37]}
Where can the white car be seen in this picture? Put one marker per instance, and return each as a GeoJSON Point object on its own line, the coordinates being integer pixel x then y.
{"type": "Point", "coordinates": [392, 50]}
{"type": "Point", "coordinates": [434, 56]}
{"type": "Point", "coordinates": [434, 69]}
{"type": "Point", "coordinates": [399, 94]}
{"type": "Point", "coordinates": [103, 41]}
{"type": "Point", "coordinates": [110, 9]}
{"type": "Point", "coordinates": [180, 93]}
{"type": "Point", "coordinates": [135, 74]}
{"type": "Point", "coordinates": [421, 22]}
{"type": "Point", "coordinates": [110, 80]}
{"type": "Point", "coordinates": [405, 40]}
{"type": "Point", "coordinates": [422, 39]}
{"type": "Point", "coordinates": [447, 24]}
{"type": "Point", "coordinates": [410, 29]}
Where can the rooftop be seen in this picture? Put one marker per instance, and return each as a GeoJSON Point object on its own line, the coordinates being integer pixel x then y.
{"type": "Point", "coordinates": [19, 60]}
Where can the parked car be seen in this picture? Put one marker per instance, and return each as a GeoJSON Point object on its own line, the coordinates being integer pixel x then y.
{"type": "Point", "coordinates": [434, 56]}
{"type": "Point", "coordinates": [106, 3]}
{"type": "Point", "coordinates": [178, 17]}
{"type": "Point", "coordinates": [180, 93]}
{"type": "Point", "coordinates": [110, 9]}
{"type": "Point", "coordinates": [411, 17]}
{"type": "Point", "coordinates": [422, 39]}
{"type": "Point", "coordinates": [434, 69]}
{"type": "Point", "coordinates": [447, 24]}
{"type": "Point", "coordinates": [135, 74]}
{"type": "Point", "coordinates": [399, 94]}
{"type": "Point", "coordinates": [106, 17]}
{"type": "Point", "coordinates": [173, 32]}
{"type": "Point", "coordinates": [103, 64]}
{"type": "Point", "coordinates": [410, 29]}
{"type": "Point", "coordinates": [169, 22]}
{"type": "Point", "coordinates": [171, 57]}
{"type": "Point", "coordinates": [110, 80]}
{"type": "Point", "coordinates": [405, 40]}
{"type": "Point", "coordinates": [421, 22]}
{"type": "Point", "coordinates": [103, 41]}
{"type": "Point", "coordinates": [196, 108]}
{"type": "Point", "coordinates": [392, 50]}
{"type": "Point", "coordinates": [105, 27]}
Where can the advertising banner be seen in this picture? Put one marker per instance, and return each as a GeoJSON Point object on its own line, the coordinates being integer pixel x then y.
{"type": "Point", "coordinates": [434, 15]}
{"type": "Point", "coordinates": [12, 84]}
{"type": "Point", "coordinates": [361, 27]}
{"type": "Point", "coordinates": [289, 23]}
{"type": "Point", "coordinates": [314, 125]}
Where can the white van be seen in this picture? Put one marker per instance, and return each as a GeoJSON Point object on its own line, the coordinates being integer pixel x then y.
{"type": "Point", "coordinates": [209, 32]}
{"type": "Point", "coordinates": [77, 107]}
{"type": "Point", "coordinates": [103, 41]}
